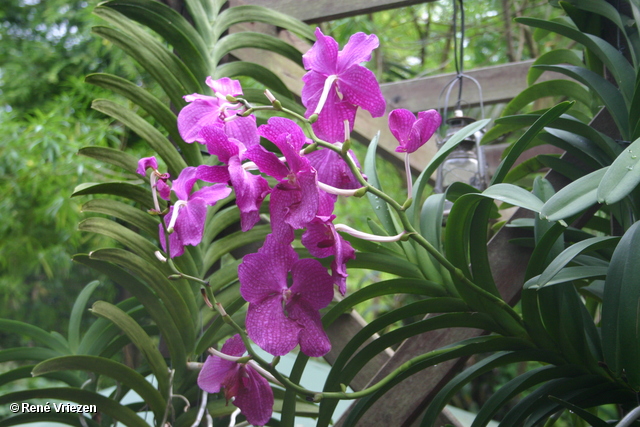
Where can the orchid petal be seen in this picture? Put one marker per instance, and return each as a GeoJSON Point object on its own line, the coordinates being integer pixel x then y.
{"type": "Point", "coordinates": [269, 328]}
{"type": "Point", "coordinates": [311, 282]}
{"type": "Point", "coordinates": [357, 50]}
{"type": "Point", "coordinates": [359, 86]}
{"type": "Point", "coordinates": [213, 173]}
{"type": "Point", "coordinates": [225, 86]}
{"type": "Point", "coordinates": [184, 183]}
{"type": "Point", "coordinates": [255, 398]}
{"type": "Point", "coordinates": [312, 338]}
{"type": "Point", "coordinates": [146, 163]}
{"type": "Point", "coordinates": [323, 55]}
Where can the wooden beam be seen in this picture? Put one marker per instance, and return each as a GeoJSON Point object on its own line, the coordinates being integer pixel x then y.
{"type": "Point", "coordinates": [326, 10]}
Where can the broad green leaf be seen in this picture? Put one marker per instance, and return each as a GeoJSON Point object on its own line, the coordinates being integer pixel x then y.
{"type": "Point", "coordinates": [173, 27]}
{"type": "Point", "coordinates": [563, 167]}
{"type": "Point", "coordinates": [380, 207]}
{"type": "Point", "coordinates": [620, 315]}
{"type": "Point", "coordinates": [574, 198]}
{"type": "Point", "coordinates": [257, 72]}
{"type": "Point", "coordinates": [158, 142]}
{"type": "Point", "coordinates": [109, 368]}
{"type": "Point", "coordinates": [566, 88]}
{"type": "Point", "coordinates": [161, 73]}
{"type": "Point", "coordinates": [35, 333]}
{"type": "Point", "coordinates": [250, 39]}
{"type": "Point", "coordinates": [151, 105]}
{"type": "Point", "coordinates": [522, 382]}
{"type": "Point", "coordinates": [622, 177]}
{"type": "Point", "coordinates": [251, 13]}
{"type": "Point", "coordinates": [525, 169]}
{"type": "Point", "coordinates": [559, 262]}
{"type": "Point", "coordinates": [609, 94]}
{"type": "Point", "coordinates": [125, 212]}
{"type": "Point", "coordinates": [513, 195]}
{"type": "Point", "coordinates": [553, 57]}
{"type": "Point", "coordinates": [108, 406]}
{"type": "Point", "coordinates": [142, 196]}
{"type": "Point", "coordinates": [431, 218]}
{"type": "Point", "coordinates": [614, 60]}
{"type": "Point", "coordinates": [441, 155]}
{"type": "Point", "coordinates": [518, 147]}
{"type": "Point", "coordinates": [141, 340]}
{"type": "Point", "coordinates": [111, 156]}
{"type": "Point", "coordinates": [75, 317]}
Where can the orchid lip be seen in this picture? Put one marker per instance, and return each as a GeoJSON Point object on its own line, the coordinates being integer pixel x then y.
{"type": "Point", "coordinates": [176, 208]}
{"type": "Point", "coordinates": [328, 84]}
{"type": "Point", "coordinates": [366, 236]}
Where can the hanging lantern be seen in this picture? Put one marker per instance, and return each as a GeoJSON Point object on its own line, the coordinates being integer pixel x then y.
{"type": "Point", "coordinates": [467, 162]}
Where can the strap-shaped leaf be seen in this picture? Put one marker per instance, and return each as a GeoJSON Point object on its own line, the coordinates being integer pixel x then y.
{"type": "Point", "coordinates": [233, 241]}
{"type": "Point", "coordinates": [389, 264]}
{"type": "Point", "coordinates": [142, 196]}
{"type": "Point", "coordinates": [553, 57]}
{"type": "Point", "coordinates": [158, 142]}
{"type": "Point", "coordinates": [518, 147]}
{"type": "Point", "coordinates": [163, 75]}
{"type": "Point", "coordinates": [35, 333]}
{"type": "Point", "coordinates": [607, 92]}
{"type": "Point", "coordinates": [75, 319]}
{"type": "Point", "coordinates": [135, 38]}
{"type": "Point", "coordinates": [379, 206]}
{"type": "Point", "coordinates": [569, 274]}
{"type": "Point", "coordinates": [108, 406]}
{"type": "Point", "coordinates": [152, 105]}
{"type": "Point", "coordinates": [110, 368]}
{"type": "Point", "coordinates": [441, 155]}
{"type": "Point", "coordinates": [173, 27]}
{"type": "Point", "coordinates": [622, 71]}
{"type": "Point", "coordinates": [125, 212]}
{"type": "Point", "coordinates": [140, 339]}
{"type": "Point", "coordinates": [257, 72]}
{"type": "Point", "coordinates": [622, 177]}
{"type": "Point", "coordinates": [620, 317]}
{"type": "Point", "coordinates": [28, 353]}
{"type": "Point", "coordinates": [574, 198]}
{"type": "Point", "coordinates": [566, 88]}
{"type": "Point", "coordinates": [254, 40]}
{"type": "Point", "coordinates": [111, 156]}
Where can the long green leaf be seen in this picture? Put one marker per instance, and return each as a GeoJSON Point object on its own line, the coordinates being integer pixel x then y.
{"type": "Point", "coordinates": [620, 315]}
{"type": "Point", "coordinates": [566, 88]}
{"type": "Point", "coordinates": [574, 198]}
{"type": "Point", "coordinates": [553, 57]}
{"type": "Point", "coordinates": [609, 94]}
{"type": "Point", "coordinates": [78, 309]}
{"type": "Point", "coordinates": [37, 334]}
{"type": "Point", "coordinates": [128, 190]}
{"type": "Point", "coordinates": [622, 177]}
{"type": "Point", "coordinates": [386, 263]}
{"type": "Point", "coordinates": [231, 242]}
{"type": "Point", "coordinates": [111, 156]}
{"type": "Point", "coordinates": [24, 372]}
{"type": "Point", "coordinates": [380, 207]}
{"type": "Point", "coordinates": [251, 13]}
{"type": "Point", "coordinates": [441, 155]}
{"type": "Point", "coordinates": [523, 142]}
{"type": "Point", "coordinates": [254, 40]}
{"type": "Point", "coordinates": [43, 417]}
{"type": "Point", "coordinates": [137, 336]}
{"type": "Point", "coordinates": [83, 397]}
{"type": "Point", "coordinates": [125, 212]}
{"type": "Point", "coordinates": [257, 72]}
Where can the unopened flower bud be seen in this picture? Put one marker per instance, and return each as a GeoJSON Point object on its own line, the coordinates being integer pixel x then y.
{"type": "Point", "coordinates": [313, 118]}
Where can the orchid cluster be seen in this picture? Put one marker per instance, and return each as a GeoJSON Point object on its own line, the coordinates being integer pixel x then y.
{"type": "Point", "coordinates": [285, 293]}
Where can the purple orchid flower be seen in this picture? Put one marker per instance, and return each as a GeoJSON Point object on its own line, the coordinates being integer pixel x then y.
{"type": "Point", "coordinates": [332, 71]}
{"type": "Point", "coordinates": [280, 317]}
{"type": "Point", "coordinates": [250, 189]}
{"type": "Point", "coordinates": [186, 218]}
{"type": "Point", "coordinates": [412, 132]}
{"type": "Point", "coordinates": [322, 240]}
{"type": "Point", "coordinates": [204, 110]}
{"type": "Point", "coordinates": [294, 200]}
{"type": "Point", "coordinates": [251, 392]}
{"type": "Point", "coordinates": [333, 170]}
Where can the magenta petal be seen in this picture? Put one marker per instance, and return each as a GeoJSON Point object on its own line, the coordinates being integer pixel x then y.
{"type": "Point", "coordinates": [330, 123]}
{"type": "Point", "coordinates": [190, 223]}
{"type": "Point", "coordinates": [312, 338]}
{"type": "Point", "coordinates": [250, 192]}
{"type": "Point", "coordinates": [218, 143]}
{"type": "Point", "coordinates": [204, 111]}
{"type": "Point", "coordinates": [255, 398]}
{"type": "Point", "coordinates": [281, 198]}
{"type": "Point", "coordinates": [332, 169]}
{"type": "Point", "coordinates": [265, 273]}
{"type": "Point", "coordinates": [184, 183]}
{"type": "Point", "coordinates": [323, 55]}
{"type": "Point", "coordinates": [145, 163]}
{"type": "Point", "coordinates": [301, 213]}
{"type": "Point", "coordinates": [213, 173]}
{"type": "Point", "coordinates": [359, 86]}
{"type": "Point", "coordinates": [176, 245]}
{"type": "Point", "coordinates": [278, 126]}
{"type": "Point", "coordinates": [318, 238]}
{"type": "Point", "coordinates": [211, 195]}
{"type": "Point", "coordinates": [312, 90]}
{"type": "Point", "coordinates": [163, 190]}
{"type": "Point", "coordinates": [243, 129]}
{"type": "Point", "coordinates": [225, 86]}
{"type": "Point", "coordinates": [357, 50]}
{"type": "Point", "coordinates": [312, 282]}
{"type": "Point", "coordinates": [267, 162]}
{"type": "Point", "coordinates": [400, 124]}
{"type": "Point", "coordinates": [214, 372]}
{"type": "Point", "coordinates": [428, 123]}
{"type": "Point", "coordinates": [269, 328]}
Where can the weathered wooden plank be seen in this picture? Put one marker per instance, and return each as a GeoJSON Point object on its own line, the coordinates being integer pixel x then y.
{"type": "Point", "coordinates": [326, 10]}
